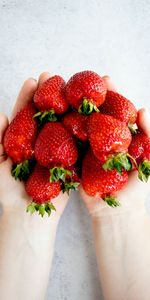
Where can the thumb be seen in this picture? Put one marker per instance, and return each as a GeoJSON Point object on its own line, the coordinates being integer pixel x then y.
{"type": "Point", "coordinates": [3, 126]}
{"type": "Point", "coordinates": [144, 121]}
{"type": "Point", "coordinates": [60, 203]}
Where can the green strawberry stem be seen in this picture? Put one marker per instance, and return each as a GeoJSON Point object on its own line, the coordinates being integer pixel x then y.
{"type": "Point", "coordinates": [87, 107]}
{"type": "Point", "coordinates": [119, 162]}
{"type": "Point", "coordinates": [41, 208]}
{"type": "Point", "coordinates": [59, 173]}
{"type": "Point", "coordinates": [68, 186]}
{"type": "Point", "coordinates": [144, 170]}
{"type": "Point", "coordinates": [44, 117]}
{"type": "Point", "coordinates": [111, 201]}
{"type": "Point", "coordinates": [21, 171]}
{"type": "Point", "coordinates": [133, 127]}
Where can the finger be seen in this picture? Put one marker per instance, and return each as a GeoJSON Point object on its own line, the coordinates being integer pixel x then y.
{"type": "Point", "coordinates": [94, 204]}
{"type": "Point", "coordinates": [3, 125]}
{"type": "Point", "coordinates": [144, 121]}
{"type": "Point", "coordinates": [43, 77]}
{"type": "Point", "coordinates": [1, 150]}
{"type": "Point", "coordinates": [111, 86]}
{"type": "Point", "coordinates": [2, 159]}
{"type": "Point", "coordinates": [26, 95]}
{"type": "Point", "coordinates": [89, 200]}
{"type": "Point", "coordinates": [60, 202]}
{"type": "Point", "coordinates": [2, 155]}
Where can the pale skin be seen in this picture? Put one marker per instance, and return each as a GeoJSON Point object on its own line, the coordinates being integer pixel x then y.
{"type": "Point", "coordinates": [27, 242]}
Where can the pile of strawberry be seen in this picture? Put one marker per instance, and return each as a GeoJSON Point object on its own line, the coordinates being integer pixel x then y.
{"type": "Point", "coordinates": [76, 132]}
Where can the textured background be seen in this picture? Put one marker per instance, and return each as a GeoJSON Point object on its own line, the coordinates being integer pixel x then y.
{"type": "Point", "coordinates": [110, 37]}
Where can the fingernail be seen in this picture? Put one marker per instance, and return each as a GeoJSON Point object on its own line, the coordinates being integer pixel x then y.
{"type": "Point", "coordinates": [106, 77]}
{"type": "Point", "coordinates": [31, 78]}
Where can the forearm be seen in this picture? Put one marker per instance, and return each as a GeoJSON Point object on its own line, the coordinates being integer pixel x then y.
{"type": "Point", "coordinates": [26, 250]}
{"type": "Point", "coordinates": [123, 253]}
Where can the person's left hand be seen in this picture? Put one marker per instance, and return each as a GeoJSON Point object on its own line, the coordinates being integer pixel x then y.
{"type": "Point", "coordinates": [133, 194]}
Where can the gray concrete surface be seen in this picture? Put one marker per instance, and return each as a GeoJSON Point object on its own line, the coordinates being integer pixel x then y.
{"type": "Point", "coordinates": [110, 37]}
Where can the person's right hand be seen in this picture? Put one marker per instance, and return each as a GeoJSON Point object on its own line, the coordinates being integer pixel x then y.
{"type": "Point", "coordinates": [13, 196]}
{"type": "Point", "coordinates": [133, 195]}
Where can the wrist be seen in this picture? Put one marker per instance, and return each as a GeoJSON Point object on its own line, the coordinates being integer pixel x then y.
{"type": "Point", "coordinates": [35, 232]}
{"type": "Point", "coordinates": [109, 216]}
{"type": "Point", "coordinates": [32, 221]}
{"type": "Point", "coordinates": [99, 209]}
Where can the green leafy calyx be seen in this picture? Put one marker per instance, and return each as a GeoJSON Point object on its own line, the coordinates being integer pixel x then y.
{"type": "Point", "coordinates": [87, 107]}
{"type": "Point", "coordinates": [44, 117]}
{"type": "Point", "coordinates": [144, 170]}
{"type": "Point", "coordinates": [41, 208]}
{"type": "Point", "coordinates": [118, 162]}
{"type": "Point", "coordinates": [59, 173]}
{"type": "Point", "coordinates": [111, 201]}
{"type": "Point", "coordinates": [21, 171]}
{"type": "Point", "coordinates": [68, 186]}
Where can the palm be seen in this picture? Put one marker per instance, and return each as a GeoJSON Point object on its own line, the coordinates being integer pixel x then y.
{"type": "Point", "coordinates": [12, 192]}
{"type": "Point", "coordinates": [15, 189]}
{"type": "Point", "coordinates": [132, 194]}
{"type": "Point", "coordinates": [129, 197]}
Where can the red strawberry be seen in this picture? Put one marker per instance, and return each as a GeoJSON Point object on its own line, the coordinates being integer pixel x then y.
{"type": "Point", "coordinates": [38, 187]}
{"type": "Point", "coordinates": [86, 91]}
{"type": "Point", "coordinates": [119, 107]}
{"type": "Point", "coordinates": [20, 138]}
{"type": "Point", "coordinates": [55, 146]}
{"type": "Point", "coordinates": [75, 123]}
{"type": "Point", "coordinates": [107, 135]}
{"type": "Point", "coordinates": [100, 183]}
{"type": "Point", "coordinates": [50, 98]}
{"type": "Point", "coordinates": [140, 150]}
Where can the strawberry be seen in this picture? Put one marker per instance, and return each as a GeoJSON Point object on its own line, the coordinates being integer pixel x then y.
{"type": "Point", "coordinates": [75, 123]}
{"type": "Point", "coordinates": [140, 150]}
{"type": "Point", "coordinates": [50, 99]}
{"type": "Point", "coordinates": [107, 135]}
{"type": "Point", "coordinates": [38, 187]}
{"type": "Point", "coordinates": [19, 140]}
{"type": "Point", "coordinates": [56, 149]}
{"type": "Point", "coordinates": [86, 91]}
{"type": "Point", "coordinates": [55, 146]}
{"type": "Point", "coordinates": [100, 183]}
{"type": "Point", "coordinates": [119, 107]}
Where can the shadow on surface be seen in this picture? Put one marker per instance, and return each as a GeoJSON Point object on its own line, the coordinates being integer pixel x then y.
{"type": "Point", "coordinates": [74, 268]}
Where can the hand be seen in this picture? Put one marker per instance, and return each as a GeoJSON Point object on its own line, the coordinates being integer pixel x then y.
{"type": "Point", "coordinates": [13, 196]}
{"type": "Point", "coordinates": [134, 193]}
